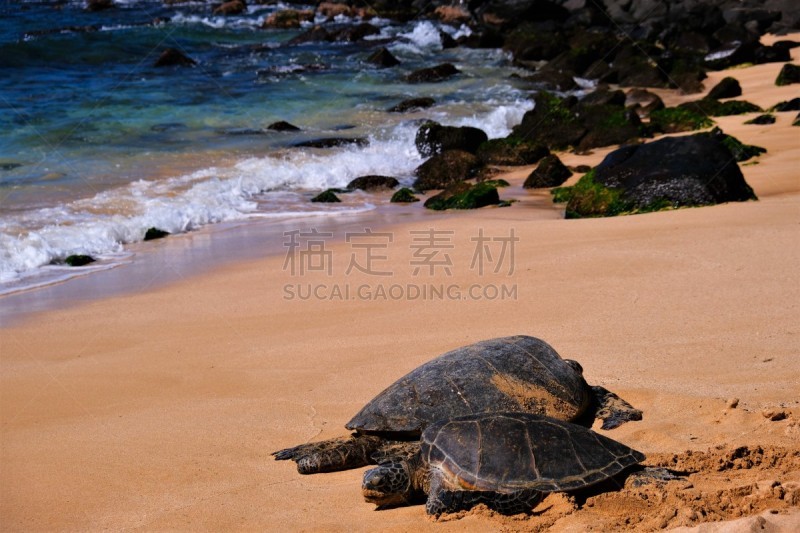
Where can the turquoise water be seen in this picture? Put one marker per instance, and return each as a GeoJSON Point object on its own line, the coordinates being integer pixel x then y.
{"type": "Point", "coordinates": [99, 144]}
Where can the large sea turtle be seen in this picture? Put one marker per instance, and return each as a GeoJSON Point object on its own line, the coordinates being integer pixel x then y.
{"type": "Point", "coordinates": [519, 373]}
{"type": "Point", "coordinates": [503, 460]}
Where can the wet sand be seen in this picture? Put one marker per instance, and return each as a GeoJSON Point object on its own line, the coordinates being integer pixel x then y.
{"type": "Point", "coordinates": [158, 410]}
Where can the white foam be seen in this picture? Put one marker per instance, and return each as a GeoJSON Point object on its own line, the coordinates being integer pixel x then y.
{"type": "Point", "coordinates": [424, 38]}
{"type": "Point", "coordinates": [104, 223]}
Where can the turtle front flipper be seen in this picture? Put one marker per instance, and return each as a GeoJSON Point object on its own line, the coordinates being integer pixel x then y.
{"type": "Point", "coordinates": [342, 453]}
{"type": "Point", "coordinates": [613, 410]}
{"type": "Point", "coordinates": [394, 451]}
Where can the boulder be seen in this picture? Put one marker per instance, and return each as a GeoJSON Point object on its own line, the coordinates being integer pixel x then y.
{"type": "Point", "coordinates": [404, 196]}
{"type": "Point", "coordinates": [412, 104]}
{"type": "Point", "coordinates": [233, 7]}
{"type": "Point", "coordinates": [312, 35]}
{"type": "Point", "coordinates": [443, 169]}
{"type": "Point", "coordinates": [608, 125]}
{"type": "Point", "coordinates": [373, 183]}
{"type": "Point", "coordinates": [383, 58]}
{"type": "Point", "coordinates": [715, 108]}
{"type": "Point", "coordinates": [740, 151]}
{"type": "Point", "coordinates": [643, 102]}
{"type": "Point", "coordinates": [693, 170]}
{"type": "Point", "coordinates": [435, 74]}
{"type": "Point", "coordinates": [463, 195]}
{"type": "Point", "coordinates": [551, 172]}
{"type": "Point", "coordinates": [433, 138]}
{"type": "Point", "coordinates": [727, 88]}
{"type": "Point", "coordinates": [173, 57]}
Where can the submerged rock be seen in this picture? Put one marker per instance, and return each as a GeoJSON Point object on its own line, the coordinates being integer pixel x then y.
{"type": "Point", "coordinates": [174, 57]}
{"type": "Point", "coordinates": [433, 74]}
{"type": "Point", "coordinates": [288, 19]}
{"type": "Point", "coordinates": [282, 126]}
{"type": "Point", "coordinates": [232, 7]}
{"type": "Point", "coordinates": [99, 5]}
{"type": "Point", "coordinates": [383, 58]}
{"type": "Point", "coordinates": [412, 104]}
{"type": "Point", "coordinates": [333, 142]}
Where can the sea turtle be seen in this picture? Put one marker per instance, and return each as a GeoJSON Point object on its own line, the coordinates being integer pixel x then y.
{"type": "Point", "coordinates": [518, 373]}
{"type": "Point", "coordinates": [503, 460]}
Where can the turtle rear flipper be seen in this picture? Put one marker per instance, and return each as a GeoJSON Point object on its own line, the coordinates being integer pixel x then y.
{"type": "Point", "coordinates": [331, 455]}
{"type": "Point", "coordinates": [611, 409]}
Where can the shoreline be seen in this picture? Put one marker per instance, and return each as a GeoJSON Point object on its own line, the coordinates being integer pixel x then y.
{"type": "Point", "coordinates": [157, 410]}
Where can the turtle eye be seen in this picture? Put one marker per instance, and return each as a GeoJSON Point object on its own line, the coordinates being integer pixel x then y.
{"type": "Point", "coordinates": [375, 480]}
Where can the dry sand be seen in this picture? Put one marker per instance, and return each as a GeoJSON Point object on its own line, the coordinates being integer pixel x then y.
{"type": "Point", "coordinates": [157, 411]}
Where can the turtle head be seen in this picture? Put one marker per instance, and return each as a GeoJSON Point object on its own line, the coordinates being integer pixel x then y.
{"type": "Point", "coordinates": [388, 485]}
{"type": "Point", "coordinates": [575, 365]}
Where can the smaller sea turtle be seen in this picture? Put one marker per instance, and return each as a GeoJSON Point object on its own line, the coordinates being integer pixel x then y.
{"type": "Point", "coordinates": [503, 460]}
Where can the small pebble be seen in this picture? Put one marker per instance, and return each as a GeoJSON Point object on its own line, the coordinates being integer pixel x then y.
{"type": "Point", "coordinates": [774, 414]}
{"type": "Point", "coordinates": [733, 403]}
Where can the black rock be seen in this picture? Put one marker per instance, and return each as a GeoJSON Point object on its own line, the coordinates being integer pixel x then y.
{"type": "Point", "coordinates": [282, 126]}
{"type": "Point", "coordinates": [328, 197]}
{"type": "Point", "coordinates": [762, 119]}
{"type": "Point", "coordinates": [551, 172]}
{"type": "Point", "coordinates": [404, 196]}
{"type": "Point", "coordinates": [77, 260]}
{"type": "Point", "coordinates": [383, 58]}
{"type": "Point", "coordinates": [333, 142]}
{"type": "Point", "coordinates": [373, 183]}
{"type": "Point", "coordinates": [443, 169]}
{"type": "Point", "coordinates": [412, 104]}
{"type": "Point", "coordinates": [715, 108]}
{"type": "Point", "coordinates": [433, 138]}
{"type": "Point", "coordinates": [692, 170]}
{"type": "Point", "coordinates": [731, 54]}
{"type": "Point", "coordinates": [154, 233]}
{"type": "Point", "coordinates": [353, 34]}
{"type": "Point", "coordinates": [643, 102]}
{"type": "Point", "coordinates": [604, 97]}
{"type": "Point", "coordinates": [789, 105]}
{"type": "Point", "coordinates": [772, 54]}
{"type": "Point", "coordinates": [789, 74]}
{"type": "Point", "coordinates": [172, 57]}
{"type": "Point", "coordinates": [9, 165]}
{"type": "Point", "coordinates": [552, 123]}
{"type": "Point", "coordinates": [231, 7]}
{"type": "Point", "coordinates": [312, 35]}
{"type": "Point", "coordinates": [433, 74]}
{"type": "Point", "coordinates": [511, 151]}
{"type": "Point", "coordinates": [727, 88]}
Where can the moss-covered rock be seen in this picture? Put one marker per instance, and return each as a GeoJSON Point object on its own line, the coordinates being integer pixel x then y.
{"type": "Point", "coordinates": [552, 123]}
{"type": "Point", "coordinates": [589, 198]}
{"type": "Point", "coordinates": [678, 119]}
{"type": "Point", "coordinates": [77, 260]}
{"type": "Point", "coordinates": [328, 196]}
{"type": "Point", "coordinates": [511, 151]}
{"type": "Point", "coordinates": [464, 195]}
{"type": "Point", "coordinates": [404, 196]}
{"type": "Point", "coordinates": [715, 108]}
{"type": "Point", "coordinates": [155, 233]}
{"type": "Point", "coordinates": [373, 183]}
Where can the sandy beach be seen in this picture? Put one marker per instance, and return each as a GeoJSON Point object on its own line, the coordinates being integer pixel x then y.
{"type": "Point", "coordinates": [158, 410]}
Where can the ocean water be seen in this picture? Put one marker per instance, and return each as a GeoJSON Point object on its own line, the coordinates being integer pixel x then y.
{"type": "Point", "coordinates": [99, 145]}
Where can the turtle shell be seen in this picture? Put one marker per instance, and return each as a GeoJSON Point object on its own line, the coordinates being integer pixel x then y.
{"type": "Point", "coordinates": [509, 452]}
{"type": "Point", "coordinates": [519, 373]}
